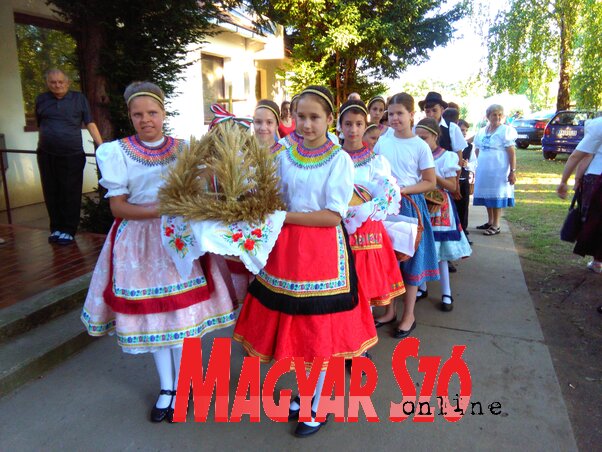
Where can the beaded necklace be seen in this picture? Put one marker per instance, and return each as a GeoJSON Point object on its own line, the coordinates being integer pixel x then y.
{"type": "Point", "coordinates": [162, 154]}
{"type": "Point", "coordinates": [305, 158]}
{"type": "Point", "coordinates": [361, 156]}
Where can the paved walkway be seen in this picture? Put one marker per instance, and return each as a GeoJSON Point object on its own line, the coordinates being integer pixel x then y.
{"type": "Point", "coordinates": [99, 399]}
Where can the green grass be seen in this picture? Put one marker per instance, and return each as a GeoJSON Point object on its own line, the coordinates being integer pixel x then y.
{"type": "Point", "coordinates": [539, 213]}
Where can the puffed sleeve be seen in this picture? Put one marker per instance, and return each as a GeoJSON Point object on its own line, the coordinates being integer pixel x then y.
{"type": "Point", "coordinates": [510, 136]}
{"type": "Point", "coordinates": [339, 186]}
{"type": "Point", "coordinates": [451, 166]}
{"type": "Point", "coordinates": [113, 169]}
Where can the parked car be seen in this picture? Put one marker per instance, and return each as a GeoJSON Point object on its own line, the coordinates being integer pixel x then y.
{"type": "Point", "coordinates": [564, 132]}
{"type": "Point", "coordinates": [530, 128]}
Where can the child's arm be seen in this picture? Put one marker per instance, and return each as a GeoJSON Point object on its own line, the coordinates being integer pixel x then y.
{"type": "Point", "coordinates": [319, 218]}
{"type": "Point", "coordinates": [121, 208]}
{"type": "Point", "coordinates": [428, 183]}
{"type": "Point", "coordinates": [447, 183]}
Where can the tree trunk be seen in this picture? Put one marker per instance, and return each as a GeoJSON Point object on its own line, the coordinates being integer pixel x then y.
{"type": "Point", "coordinates": [91, 41]}
{"type": "Point", "coordinates": [567, 19]}
{"type": "Point", "coordinates": [337, 63]}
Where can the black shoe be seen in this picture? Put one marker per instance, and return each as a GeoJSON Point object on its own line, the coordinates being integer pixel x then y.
{"type": "Point", "coordinates": [170, 410]}
{"type": "Point", "coordinates": [54, 237]}
{"type": "Point", "coordinates": [303, 430]}
{"type": "Point", "coordinates": [400, 334]}
{"type": "Point", "coordinates": [451, 267]}
{"type": "Point", "coordinates": [484, 226]}
{"type": "Point", "coordinates": [378, 324]}
{"type": "Point", "coordinates": [65, 239]}
{"type": "Point", "coordinates": [447, 307]}
{"type": "Point", "coordinates": [421, 294]}
{"type": "Point", "coordinates": [470, 242]}
{"type": "Point", "coordinates": [158, 414]}
{"type": "Point", "coordinates": [293, 415]}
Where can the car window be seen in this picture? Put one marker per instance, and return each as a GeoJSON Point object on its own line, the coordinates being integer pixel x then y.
{"type": "Point", "coordinates": [571, 118]}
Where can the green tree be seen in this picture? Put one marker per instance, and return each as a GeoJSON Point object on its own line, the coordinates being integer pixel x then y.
{"type": "Point", "coordinates": [531, 43]}
{"type": "Point", "coordinates": [587, 82]}
{"type": "Point", "coordinates": [349, 44]}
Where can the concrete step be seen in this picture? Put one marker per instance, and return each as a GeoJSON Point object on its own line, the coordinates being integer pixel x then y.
{"type": "Point", "coordinates": [43, 307]}
{"type": "Point", "coordinates": [29, 355]}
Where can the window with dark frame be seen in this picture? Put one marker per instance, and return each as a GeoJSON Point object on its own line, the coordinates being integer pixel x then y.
{"type": "Point", "coordinates": [42, 44]}
{"type": "Point", "coordinates": [214, 86]}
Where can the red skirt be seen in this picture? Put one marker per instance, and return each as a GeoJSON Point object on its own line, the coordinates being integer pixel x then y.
{"type": "Point", "coordinates": [377, 268]}
{"type": "Point", "coordinates": [308, 271]}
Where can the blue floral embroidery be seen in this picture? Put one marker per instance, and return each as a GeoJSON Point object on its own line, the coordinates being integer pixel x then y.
{"type": "Point", "coordinates": [175, 337]}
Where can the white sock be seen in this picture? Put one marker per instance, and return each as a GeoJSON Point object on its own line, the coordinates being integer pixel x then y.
{"type": "Point", "coordinates": [294, 405]}
{"type": "Point", "coordinates": [176, 354]}
{"type": "Point", "coordinates": [444, 275]}
{"type": "Point", "coordinates": [423, 287]}
{"type": "Point", "coordinates": [164, 364]}
{"type": "Point", "coordinates": [317, 394]}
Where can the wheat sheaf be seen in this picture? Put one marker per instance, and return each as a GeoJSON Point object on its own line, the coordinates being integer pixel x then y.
{"type": "Point", "coordinates": [226, 175]}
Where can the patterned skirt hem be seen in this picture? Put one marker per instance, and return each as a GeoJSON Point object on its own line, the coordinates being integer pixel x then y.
{"type": "Point", "coordinates": [386, 299]}
{"type": "Point", "coordinates": [147, 341]}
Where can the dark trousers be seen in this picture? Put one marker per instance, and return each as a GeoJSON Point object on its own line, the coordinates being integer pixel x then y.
{"type": "Point", "coordinates": [62, 178]}
{"type": "Point", "coordinates": [462, 204]}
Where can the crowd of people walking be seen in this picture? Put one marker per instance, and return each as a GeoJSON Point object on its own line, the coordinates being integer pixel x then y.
{"type": "Point", "coordinates": [335, 258]}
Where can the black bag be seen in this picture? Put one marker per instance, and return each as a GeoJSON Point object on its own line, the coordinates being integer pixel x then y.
{"type": "Point", "coordinates": [573, 221]}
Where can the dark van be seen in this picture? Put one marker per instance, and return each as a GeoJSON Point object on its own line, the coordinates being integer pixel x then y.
{"type": "Point", "coordinates": [564, 132]}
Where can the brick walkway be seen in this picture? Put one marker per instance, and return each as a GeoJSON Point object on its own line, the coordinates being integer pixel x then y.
{"type": "Point", "coordinates": [30, 265]}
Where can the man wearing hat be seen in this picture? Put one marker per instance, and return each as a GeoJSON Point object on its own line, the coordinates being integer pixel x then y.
{"type": "Point", "coordinates": [451, 137]}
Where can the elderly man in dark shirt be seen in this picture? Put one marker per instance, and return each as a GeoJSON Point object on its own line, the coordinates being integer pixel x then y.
{"type": "Point", "coordinates": [60, 114]}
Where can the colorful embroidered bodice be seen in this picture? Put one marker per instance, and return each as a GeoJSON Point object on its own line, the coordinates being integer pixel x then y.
{"type": "Point", "coordinates": [162, 154]}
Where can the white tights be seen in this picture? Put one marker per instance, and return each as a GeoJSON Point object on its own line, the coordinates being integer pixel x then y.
{"type": "Point", "coordinates": [444, 281]}
{"type": "Point", "coordinates": [314, 407]}
{"type": "Point", "coordinates": [167, 361]}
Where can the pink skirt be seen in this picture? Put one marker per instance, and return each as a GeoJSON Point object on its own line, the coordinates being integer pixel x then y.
{"type": "Point", "coordinates": [137, 293]}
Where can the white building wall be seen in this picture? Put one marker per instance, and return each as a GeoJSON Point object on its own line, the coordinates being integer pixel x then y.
{"type": "Point", "coordinates": [243, 56]}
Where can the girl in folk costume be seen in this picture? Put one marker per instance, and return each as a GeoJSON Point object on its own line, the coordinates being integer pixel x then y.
{"type": "Point", "coordinates": [266, 119]}
{"type": "Point", "coordinates": [450, 240]}
{"type": "Point", "coordinates": [371, 135]}
{"type": "Point", "coordinates": [304, 302]}
{"type": "Point", "coordinates": [136, 291]}
{"type": "Point", "coordinates": [412, 166]}
{"type": "Point", "coordinates": [376, 107]}
{"type": "Point", "coordinates": [265, 126]}
{"type": "Point", "coordinates": [376, 195]}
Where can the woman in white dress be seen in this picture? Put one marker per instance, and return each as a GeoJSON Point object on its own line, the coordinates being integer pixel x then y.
{"type": "Point", "coordinates": [496, 173]}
